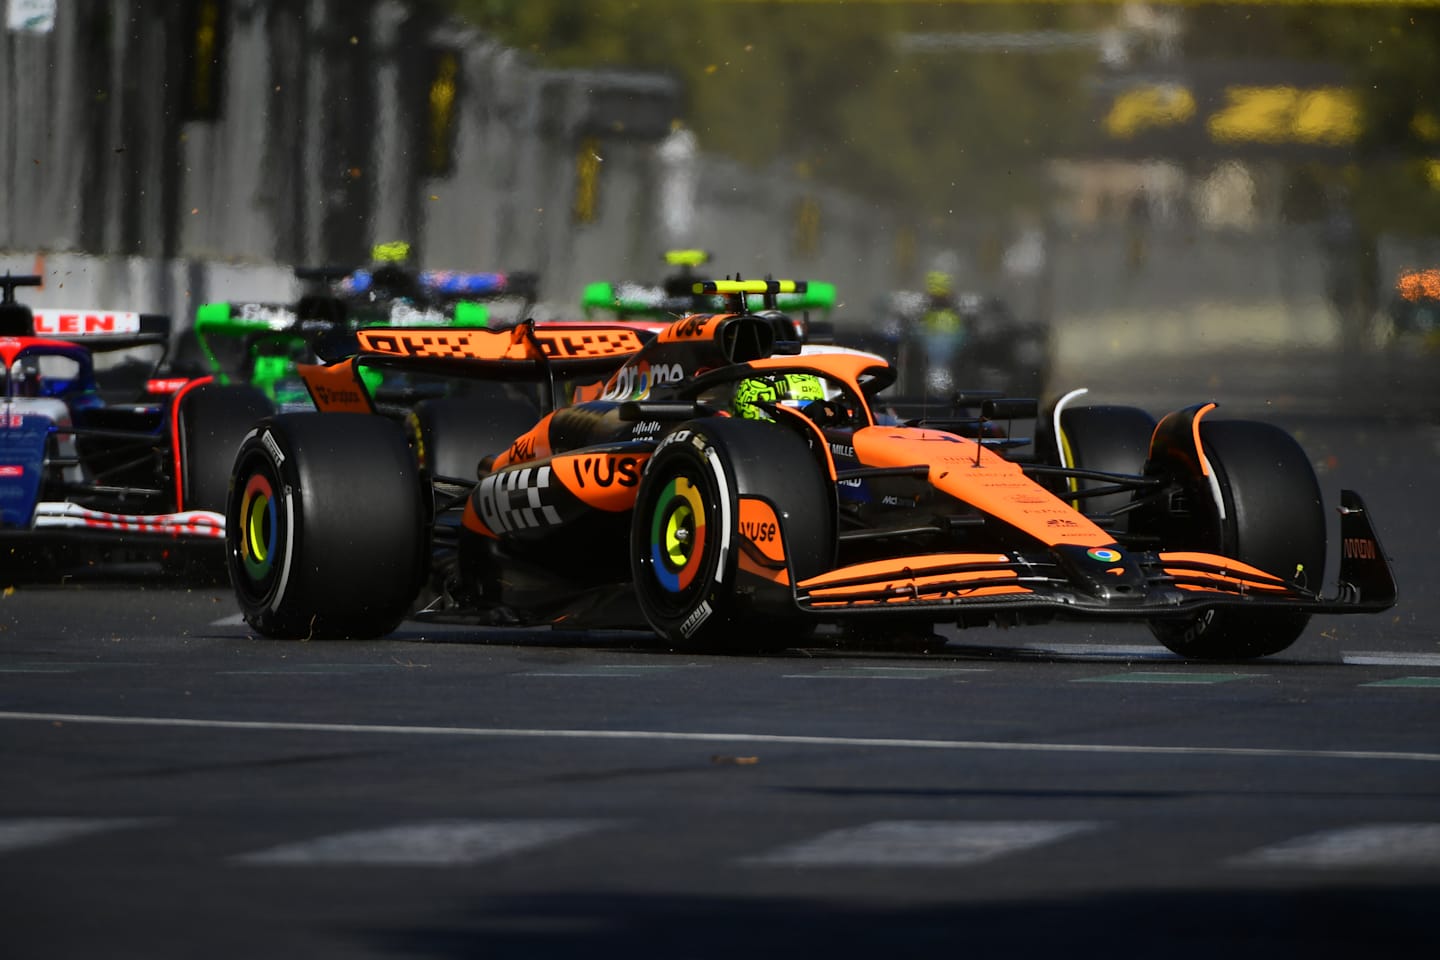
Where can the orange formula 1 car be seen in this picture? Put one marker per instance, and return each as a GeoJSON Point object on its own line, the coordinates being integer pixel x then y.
{"type": "Point", "coordinates": [727, 496]}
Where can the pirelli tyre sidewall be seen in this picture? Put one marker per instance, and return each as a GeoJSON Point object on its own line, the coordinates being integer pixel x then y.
{"type": "Point", "coordinates": [1111, 439]}
{"type": "Point", "coordinates": [452, 435]}
{"type": "Point", "coordinates": [326, 532]}
{"type": "Point", "coordinates": [685, 538]}
{"type": "Point", "coordinates": [1274, 519]}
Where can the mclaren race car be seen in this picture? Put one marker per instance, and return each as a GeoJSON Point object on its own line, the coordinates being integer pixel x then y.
{"type": "Point", "coordinates": [728, 496]}
{"type": "Point", "coordinates": [78, 468]}
{"type": "Point", "coordinates": [260, 343]}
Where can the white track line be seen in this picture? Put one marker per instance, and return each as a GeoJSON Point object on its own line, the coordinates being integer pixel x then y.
{"type": "Point", "coordinates": [920, 843]}
{"type": "Point", "coordinates": [1384, 659]}
{"type": "Point", "coordinates": [18, 834]}
{"type": "Point", "coordinates": [1368, 845]}
{"type": "Point", "coordinates": [703, 737]}
{"type": "Point", "coordinates": [441, 843]}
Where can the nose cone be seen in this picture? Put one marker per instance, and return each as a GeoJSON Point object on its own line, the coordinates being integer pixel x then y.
{"type": "Point", "coordinates": [1105, 573]}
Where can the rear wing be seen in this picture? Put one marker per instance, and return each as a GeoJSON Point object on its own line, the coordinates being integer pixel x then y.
{"type": "Point", "coordinates": [653, 300]}
{"type": "Point", "coordinates": [102, 330]}
{"type": "Point", "coordinates": [543, 354]}
{"type": "Point", "coordinates": [97, 328]}
{"type": "Point", "coordinates": [527, 351]}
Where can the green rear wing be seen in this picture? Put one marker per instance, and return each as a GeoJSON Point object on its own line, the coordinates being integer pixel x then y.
{"type": "Point", "coordinates": [651, 300]}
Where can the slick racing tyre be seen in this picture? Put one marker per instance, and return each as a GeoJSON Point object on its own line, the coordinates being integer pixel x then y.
{"type": "Point", "coordinates": [325, 531]}
{"type": "Point", "coordinates": [213, 419]}
{"type": "Point", "coordinates": [1274, 519]}
{"type": "Point", "coordinates": [452, 435]}
{"type": "Point", "coordinates": [1111, 439]}
{"type": "Point", "coordinates": [685, 533]}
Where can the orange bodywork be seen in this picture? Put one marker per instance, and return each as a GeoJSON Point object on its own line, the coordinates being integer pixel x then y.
{"type": "Point", "coordinates": [987, 481]}
{"type": "Point", "coordinates": [337, 388]}
{"type": "Point", "coordinates": [697, 327]}
{"type": "Point", "coordinates": [762, 547]}
{"type": "Point", "coordinates": [556, 341]}
{"type": "Point", "coordinates": [1232, 575]}
{"type": "Point", "coordinates": [605, 481]}
{"type": "Point", "coordinates": [531, 445]}
{"type": "Point", "coordinates": [471, 521]}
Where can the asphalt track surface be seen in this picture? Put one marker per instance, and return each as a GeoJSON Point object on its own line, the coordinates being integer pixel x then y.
{"type": "Point", "coordinates": [176, 787]}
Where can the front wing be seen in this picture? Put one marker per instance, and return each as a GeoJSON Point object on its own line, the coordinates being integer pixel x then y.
{"type": "Point", "coordinates": [1145, 585]}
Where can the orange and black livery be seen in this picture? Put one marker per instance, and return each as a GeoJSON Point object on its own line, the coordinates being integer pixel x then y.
{"type": "Point", "coordinates": [724, 487]}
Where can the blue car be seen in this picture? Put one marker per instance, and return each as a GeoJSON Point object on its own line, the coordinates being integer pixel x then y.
{"type": "Point", "coordinates": [79, 467]}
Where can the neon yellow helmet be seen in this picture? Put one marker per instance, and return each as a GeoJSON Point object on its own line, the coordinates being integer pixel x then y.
{"type": "Point", "coordinates": [938, 283]}
{"type": "Point", "coordinates": [791, 389]}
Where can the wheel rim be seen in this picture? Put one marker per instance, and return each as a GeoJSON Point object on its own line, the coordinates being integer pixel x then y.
{"type": "Point", "coordinates": [257, 531]}
{"type": "Point", "coordinates": [677, 535]}
{"type": "Point", "coordinates": [256, 535]}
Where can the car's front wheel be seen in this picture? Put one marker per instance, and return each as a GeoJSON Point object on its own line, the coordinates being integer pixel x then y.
{"type": "Point", "coordinates": [691, 546]}
{"type": "Point", "coordinates": [325, 529]}
{"type": "Point", "coordinates": [1272, 518]}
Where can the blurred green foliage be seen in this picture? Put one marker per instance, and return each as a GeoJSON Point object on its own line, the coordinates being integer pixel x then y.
{"type": "Point", "coordinates": [832, 90]}
{"type": "Point", "coordinates": [828, 91]}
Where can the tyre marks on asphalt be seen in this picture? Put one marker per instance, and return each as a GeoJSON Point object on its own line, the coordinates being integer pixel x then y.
{"type": "Point", "coordinates": [440, 843]}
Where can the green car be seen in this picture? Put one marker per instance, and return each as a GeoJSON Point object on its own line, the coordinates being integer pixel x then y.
{"type": "Point", "coordinates": [675, 297]}
{"type": "Point", "coordinates": [260, 343]}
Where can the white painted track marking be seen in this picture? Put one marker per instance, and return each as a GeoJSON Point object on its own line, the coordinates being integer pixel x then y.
{"type": "Point", "coordinates": [708, 737]}
{"type": "Point", "coordinates": [1368, 845]}
{"type": "Point", "coordinates": [441, 843]}
{"type": "Point", "coordinates": [607, 670]}
{"type": "Point", "coordinates": [1383, 659]}
{"type": "Point", "coordinates": [19, 834]}
{"type": "Point", "coordinates": [234, 620]}
{"type": "Point", "coordinates": [921, 843]}
{"type": "Point", "coordinates": [884, 673]}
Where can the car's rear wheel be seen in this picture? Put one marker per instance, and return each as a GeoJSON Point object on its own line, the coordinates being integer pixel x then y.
{"type": "Point", "coordinates": [213, 419]}
{"type": "Point", "coordinates": [452, 435]}
{"type": "Point", "coordinates": [686, 535]}
{"type": "Point", "coordinates": [1274, 519]}
{"type": "Point", "coordinates": [326, 529]}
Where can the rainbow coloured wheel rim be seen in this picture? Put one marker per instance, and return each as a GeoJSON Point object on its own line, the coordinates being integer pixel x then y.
{"type": "Point", "coordinates": [255, 530]}
{"type": "Point", "coordinates": [258, 529]}
{"type": "Point", "coordinates": [677, 535]}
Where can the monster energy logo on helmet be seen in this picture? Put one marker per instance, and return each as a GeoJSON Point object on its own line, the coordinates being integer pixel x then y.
{"type": "Point", "coordinates": [792, 389]}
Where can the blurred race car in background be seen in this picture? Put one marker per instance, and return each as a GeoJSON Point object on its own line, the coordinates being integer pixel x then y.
{"type": "Point", "coordinates": [1414, 309]}
{"type": "Point", "coordinates": [726, 491]}
{"type": "Point", "coordinates": [806, 310]}
{"type": "Point", "coordinates": [942, 342]}
{"type": "Point", "coordinates": [260, 343]}
{"type": "Point", "coordinates": [78, 469]}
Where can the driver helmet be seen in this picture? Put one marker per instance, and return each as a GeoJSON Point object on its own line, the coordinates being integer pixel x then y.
{"type": "Point", "coordinates": [790, 389]}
